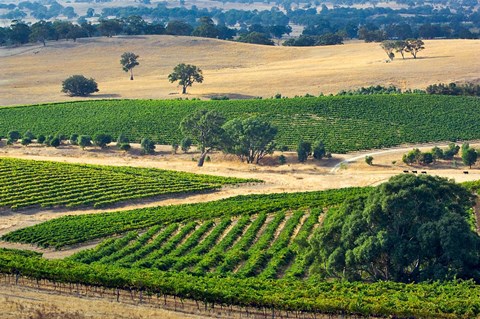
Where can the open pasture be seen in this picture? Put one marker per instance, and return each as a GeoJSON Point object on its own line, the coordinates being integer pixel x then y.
{"type": "Point", "coordinates": [233, 69]}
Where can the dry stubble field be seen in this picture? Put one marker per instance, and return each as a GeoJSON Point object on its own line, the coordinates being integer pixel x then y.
{"type": "Point", "coordinates": [33, 74]}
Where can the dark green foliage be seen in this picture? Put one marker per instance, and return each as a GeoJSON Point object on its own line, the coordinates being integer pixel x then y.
{"type": "Point", "coordinates": [29, 135]}
{"type": "Point", "coordinates": [186, 75]}
{"type": "Point", "coordinates": [411, 229]}
{"type": "Point", "coordinates": [122, 139]}
{"type": "Point", "coordinates": [26, 141]}
{"type": "Point", "coordinates": [304, 150]}
{"type": "Point", "coordinates": [185, 144]}
{"type": "Point", "coordinates": [282, 159]}
{"type": "Point", "coordinates": [148, 146]}
{"type": "Point", "coordinates": [124, 146]}
{"type": "Point", "coordinates": [84, 141]}
{"type": "Point", "coordinates": [54, 142]}
{"type": "Point", "coordinates": [250, 139]}
{"type": "Point", "coordinates": [78, 85]}
{"type": "Point", "coordinates": [369, 160]}
{"type": "Point", "coordinates": [41, 139]}
{"type": "Point", "coordinates": [469, 155]}
{"type": "Point", "coordinates": [102, 139]}
{"type": "Point", "coordinates": [255, 38]}
{"type": "Point", "coordinates": [206, 128]}
{"type": "Point", "coordinates": [451, 151]}
{"type": "Point", "coordinates": [469, 89]}
{"type": "Point", "coordinates": [374, 89]}
{"type": "Point", "coordinates": [74, 139]}
{"type": "Point", "coordinates": [319, 151]}
{"type": "Point", "coordinates": [14, 135]}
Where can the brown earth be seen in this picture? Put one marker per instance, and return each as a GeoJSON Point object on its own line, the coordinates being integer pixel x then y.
{"type": "Point", "coordinates": [33, 73]}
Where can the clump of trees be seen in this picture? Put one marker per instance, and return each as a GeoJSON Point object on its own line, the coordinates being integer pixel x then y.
{"type": "Point", "coordinates": [306, 149]}
{"type": "Point", "coordinates": [410, 229]}
{"type": "Point", "coordinates": [319, 40]}
{"type": "Point", "coordinates": [412, 46]}
{"type": "Point", "coordinates": [78, 85]}
{"type": "Point", "coordinates": [426, 158]}
{"type": "Point", "coordinates": [469, 89]}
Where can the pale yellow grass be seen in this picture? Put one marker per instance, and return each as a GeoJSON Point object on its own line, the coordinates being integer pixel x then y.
{"type": "Point", "coordinates": [21, 303]}
{"type": "Point", "coordinates": [229, 68]}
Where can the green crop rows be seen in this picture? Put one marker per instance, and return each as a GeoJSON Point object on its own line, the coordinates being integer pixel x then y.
{"type": "Point", "coordinates": [70, 230]}
{"type": "Point", "coordinates": [266, 248]}
{"type": "Point", "coordinates": [344, 123]}
{"type": "Point", "coordinates": [249, 251]}
{"type": "Point", "coordinates": [25, 183]}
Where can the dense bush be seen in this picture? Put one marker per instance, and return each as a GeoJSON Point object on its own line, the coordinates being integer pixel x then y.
{"type": "Point", "coordinates": [78, 85]}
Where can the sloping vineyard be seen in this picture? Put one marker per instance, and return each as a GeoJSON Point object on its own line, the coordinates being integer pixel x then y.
{"type": "Point", "coordinates": [70, 230]}
{"type": "Point", "coordinates": [343, 123]}
{"type": "Point", "coordinates": [265, 248]}
{"type": "Point", "coordinates": [25, 183]}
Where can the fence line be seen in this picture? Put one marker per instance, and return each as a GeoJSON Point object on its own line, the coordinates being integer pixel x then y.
{"type": "Point", "coordinates": [166, 302]}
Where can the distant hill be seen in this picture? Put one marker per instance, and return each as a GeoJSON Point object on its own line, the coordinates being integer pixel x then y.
{"type": "Point", "coordinates": [33, 74]}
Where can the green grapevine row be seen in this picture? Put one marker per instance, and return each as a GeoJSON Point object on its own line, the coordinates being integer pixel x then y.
{"type": "Point", "coordinates": [343, 123]}
{"type": "Point", "coordinates": [25, 183]}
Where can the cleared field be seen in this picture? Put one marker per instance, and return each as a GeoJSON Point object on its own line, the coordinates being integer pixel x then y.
{"type": "Point", "coordinates": [235, 69]}
{"type": "Point", "coordinates": [343, 123]}
{"type": "Point", "coordinates": [27, 183]}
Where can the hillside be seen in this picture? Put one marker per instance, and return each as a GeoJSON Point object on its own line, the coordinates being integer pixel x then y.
{"type": "Point", "coordinates": [33, 74]}
{"type": "Point", "coordinates": [343, 123]}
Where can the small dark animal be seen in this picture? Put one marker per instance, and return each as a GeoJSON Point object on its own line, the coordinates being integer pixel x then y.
{"type": "Point", "coordinates": [405, 171]}
{"type": "Point", "coordinates": [414, 172]}
{"type": "Point", "coordinates": [424, 172]}
{"type": "Point", "coordinates": [465, 172]}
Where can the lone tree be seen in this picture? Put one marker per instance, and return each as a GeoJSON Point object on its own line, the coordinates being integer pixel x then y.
{"type": "Point", "coordinates": [206, 128]}
{"type": "Point", "coordinates": [78, 85]}
{"type": "Point", "coordinates": [469, 156]}
{"type": "Point", "coordinates": [186, 75]}
{"type": "Point", "coordinates": [250, 139]}
{"type": "Point", "coordinates": [413, 46]}
{"type": "Point", "coordinates": [410, 229]}
{"type": "Point", "coordinates": [128, 62]}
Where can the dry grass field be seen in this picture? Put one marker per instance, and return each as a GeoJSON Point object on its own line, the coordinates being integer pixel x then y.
{"type": "Point", "coordinates": [33, 73]}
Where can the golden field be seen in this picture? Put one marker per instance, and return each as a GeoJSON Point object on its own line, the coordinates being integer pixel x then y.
{"type": "Point", "coordinates": [33, 73]}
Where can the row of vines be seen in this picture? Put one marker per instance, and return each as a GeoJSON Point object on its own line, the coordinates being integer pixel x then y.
{"type": "Point", "coordinates": [26, 183]}
{"type": "Point", "coordinates": [343, 123]}
{"type": "Point", "coordinates": [69, 230]}
{"type": "Point", "coordinates": [382, 299]}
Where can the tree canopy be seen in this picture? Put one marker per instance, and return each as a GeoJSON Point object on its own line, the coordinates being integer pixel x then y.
{"type": "Point", "coordinates": [250, 139]}
{"type": "Point", "coordinates": [78, 85]}
{"type": "Point", "coordinates": [129, 60]}
{"type": "Point", "coordinates": [411, 229]}
{"type": "Point", "coordinates": [186, 75]}
{"type": "Point", "coordinates": [206, 128]}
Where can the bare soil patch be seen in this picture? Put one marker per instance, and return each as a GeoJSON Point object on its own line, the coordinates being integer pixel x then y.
{"type": "Point", "coordinates": [232, 69]}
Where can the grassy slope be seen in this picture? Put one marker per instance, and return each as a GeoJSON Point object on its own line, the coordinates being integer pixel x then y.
{"type": "Point", "coordinates": [343, 123]}
{"type": "Point", "coordinates": [229, 68]}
